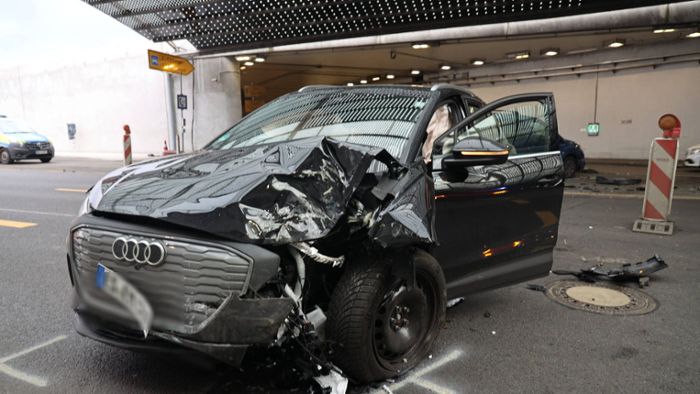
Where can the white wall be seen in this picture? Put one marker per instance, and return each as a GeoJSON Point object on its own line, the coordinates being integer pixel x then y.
{"type": "Point", "coordinates": [98, 97]}
{"type": "Point", "coordinates": [639, 95]}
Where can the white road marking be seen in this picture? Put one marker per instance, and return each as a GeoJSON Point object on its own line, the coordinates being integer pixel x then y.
{"type": "Point", "coordinates": [416, 377]}
{"type": "Point", "coordinates": [68, 215]}
{"type": "Point", "coordinates": [625, 195]}
{"type": "Point", "coordinates": [31, 379]}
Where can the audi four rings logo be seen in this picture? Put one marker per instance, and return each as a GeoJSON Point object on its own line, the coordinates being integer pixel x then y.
{"type": "Point", "coordinates": [142, 252]}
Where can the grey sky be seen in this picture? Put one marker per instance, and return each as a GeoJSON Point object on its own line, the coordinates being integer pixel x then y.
{"type": "Point", "coordinates": [44, 32]}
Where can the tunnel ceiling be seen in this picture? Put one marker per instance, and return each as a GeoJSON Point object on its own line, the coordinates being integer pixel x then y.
{"type": "Point", "coordinates": [212, 26]}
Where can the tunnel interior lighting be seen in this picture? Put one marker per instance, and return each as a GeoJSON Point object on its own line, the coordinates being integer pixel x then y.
{"type": "Point", "coordinates": [616, 43]}
{"type": "Point", "coordinates": [259, 59]}
{"type": "Point", "coordinates": [243, 68]}
{"type": "Point", "coordinates": [694, 34]}
{"type": "Point", "coordinates": [478, 62]}
{"type": "Point", "coordinates": [350, 84]}
{"type": "Point", "coordinates": [415, 72]}
{"type": "Point", "coordinates": [550, 52]}
{"type": "Point", "coordinates": [445, 67]}
{"type": "Point", "coordinates": [375, 79]}
{"type": "Point", "coordinates": [363, 81]}
{"type": "Point", "coordinates": [659, 31]}
{"type": "Point", "coordinates": [390, 76]}
{"type": "Point", "coordinates": [520, 55]}
{"type": "Point", "coordinates": [249, 63]}
{"type": "Point", "coordinates": [243, 58]}
{"type": "Point", "coordinates": [420, 45]}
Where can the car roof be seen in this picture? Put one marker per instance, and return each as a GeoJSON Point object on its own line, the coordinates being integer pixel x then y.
{"type": "Point", "coordinates": [441, 87]}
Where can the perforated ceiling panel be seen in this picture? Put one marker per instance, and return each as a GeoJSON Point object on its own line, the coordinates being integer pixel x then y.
{"type": "Point", "coordinates": [212, 25]}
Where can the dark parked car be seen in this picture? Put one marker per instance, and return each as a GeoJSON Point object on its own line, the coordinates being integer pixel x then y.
{"type": "Point", "coordinates": [19, 142]}
{"type": "Point", "coordinates": [572, 154]}
{"type": "Point", "coordinates": [332, 218]}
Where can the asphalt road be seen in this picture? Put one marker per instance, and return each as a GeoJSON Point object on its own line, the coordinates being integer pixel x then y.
{"type": "Point", "coordinates": [508, 340]}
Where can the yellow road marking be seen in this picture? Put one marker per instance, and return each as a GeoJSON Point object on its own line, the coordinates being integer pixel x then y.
{"type": "Point", "coordinates": [62, 189]}
{"type": "Point", "coordinates": [13, 224]}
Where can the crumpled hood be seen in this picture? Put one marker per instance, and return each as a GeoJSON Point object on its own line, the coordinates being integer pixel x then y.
{"type": "Point", "coordinates": [273, 194]}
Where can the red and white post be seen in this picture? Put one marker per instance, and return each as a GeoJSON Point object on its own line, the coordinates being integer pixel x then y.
{"type": "Point", "coordinates": [661, 177]}
{"type": "Point", "coordinates": [127, 145]}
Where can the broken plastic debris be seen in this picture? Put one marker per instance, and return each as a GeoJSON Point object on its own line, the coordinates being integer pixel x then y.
{"type": "Point", "coordinates": [454, 301]}
{"type": "Point", "coordinates": [638, 272]}
{"type": "Point", "coordinates": [334, 381]}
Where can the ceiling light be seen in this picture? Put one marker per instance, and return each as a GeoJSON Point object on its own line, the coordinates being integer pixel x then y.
{"type": "Point", "coordinates": [243, 68]}
{"type": "Point", "coordinates": [259, 59]}
{"type": "Point", "coordinates": [375, 79]}
{"type": "Point", "coordinates": [478, 62]}
{"type": "Point", "coordinates": [520, 55]}
{"type": "Point", "coordinates": [415, 72]}
{"type": "Point", "coordinates": [445, 67]}
{"type": "Point", "coordinates": [694, 34]}
{"type": "Point", "coordinates": [249, 63]}
{"type": "Point", "coordinates": [550, 52]}
{"type": "Point", "coordinates": [421, 45]}
{"type": "Point", "coordinates": [657, 31]}
{"type": "Point", "coordinates": [390, 76]}
{"type": "Point", "coordinates": [363, 81]}
{"type": "Point", "coordinates": [350, 84]}
{"type": "Point", "coordinates": [243, 58]}
{"type": "Point", "coordinates": [616, 43]}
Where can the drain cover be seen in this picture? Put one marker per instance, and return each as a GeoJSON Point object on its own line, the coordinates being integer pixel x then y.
{"type": "Point", "coordinates": [603, 298]}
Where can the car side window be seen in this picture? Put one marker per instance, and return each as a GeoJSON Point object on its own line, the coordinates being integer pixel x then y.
{"type": "Point", "coordinates": [524, 127]}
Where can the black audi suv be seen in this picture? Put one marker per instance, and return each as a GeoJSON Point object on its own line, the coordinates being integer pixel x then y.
{"type": "Point", "coordinates": [334, 221]}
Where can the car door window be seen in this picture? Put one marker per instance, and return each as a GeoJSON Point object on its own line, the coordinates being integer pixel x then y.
{"type": "Point", "coordinates": [524, 127]}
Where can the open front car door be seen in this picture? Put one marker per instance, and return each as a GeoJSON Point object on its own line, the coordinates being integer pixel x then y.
{"type": "Point", "coordinates": [498, 192]}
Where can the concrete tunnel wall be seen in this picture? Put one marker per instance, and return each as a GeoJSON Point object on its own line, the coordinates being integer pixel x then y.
{"type": "Point", "coordinates": [100, 97]}
{"type": "Point", "coordinates": [629, 105]}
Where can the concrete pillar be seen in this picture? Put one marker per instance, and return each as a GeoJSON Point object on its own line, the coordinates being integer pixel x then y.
{"type": "Point", "coordinates": [217, 100]}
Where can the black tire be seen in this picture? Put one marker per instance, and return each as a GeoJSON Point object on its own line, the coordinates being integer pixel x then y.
{"type": "Point", "coordinates": [46, 160]}
{"type": "Point", "coordinates": [5, 157]}
{"type": "Point", "coordinates": [363, 307]}
{"type": "Point", "coordinates": [569, 167]}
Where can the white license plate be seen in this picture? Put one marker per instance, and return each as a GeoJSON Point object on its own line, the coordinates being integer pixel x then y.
{"type": "Point", "coordinates": [126, 294]}
{"type": "Point", "coordinates": [41, 152]}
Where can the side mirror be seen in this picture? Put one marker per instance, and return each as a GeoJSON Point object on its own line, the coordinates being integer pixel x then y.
{"type": "Point", "coordinates": [474, 151]}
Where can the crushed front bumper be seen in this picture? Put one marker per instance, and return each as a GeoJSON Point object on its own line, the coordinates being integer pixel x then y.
{"type": "Point", "coordinates": [190, 277]}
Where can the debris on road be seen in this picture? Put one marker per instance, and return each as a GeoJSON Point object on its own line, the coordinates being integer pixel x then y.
{"type": "Point", "coordinates": [536, 287]}
{"type": "Point", "coordinates": [454, 302]}
{"type": "Point", "coordinates": [637, 272]}
{"type": "Point", "coordinates": [602, 180]}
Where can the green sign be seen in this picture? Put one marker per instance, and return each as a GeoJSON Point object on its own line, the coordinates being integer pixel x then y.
{"type": "Point", "coordinates": [593, 129]}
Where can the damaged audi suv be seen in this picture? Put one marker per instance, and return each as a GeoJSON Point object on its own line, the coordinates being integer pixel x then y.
{"type": "Point", "coordinates": [333, 221]}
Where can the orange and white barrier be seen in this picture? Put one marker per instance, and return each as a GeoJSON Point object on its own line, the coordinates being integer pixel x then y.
{"type": "Point", "coordinates": [661, 175]}
{"type": "Point", "coordinates": [127, 145]}
{"type": "Point", "coordinates": [661, 178]}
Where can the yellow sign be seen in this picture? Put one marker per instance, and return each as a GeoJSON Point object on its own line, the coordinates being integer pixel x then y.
{"type": "Point", "coordinates": [169, 63]}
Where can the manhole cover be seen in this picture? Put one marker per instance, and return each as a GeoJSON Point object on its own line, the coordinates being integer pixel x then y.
{"type": "Point", "coordinates": [603, 298]}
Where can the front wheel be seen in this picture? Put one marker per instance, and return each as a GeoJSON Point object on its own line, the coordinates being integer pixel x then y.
{"type": "Point", "coordinates": [383, 327]}
{"type": "Point", "coordinates": [569, 167]}
{"type": "Point", "coordinates": [5, 157]}
{"type": "Point", "coordinates": [46, 160]}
